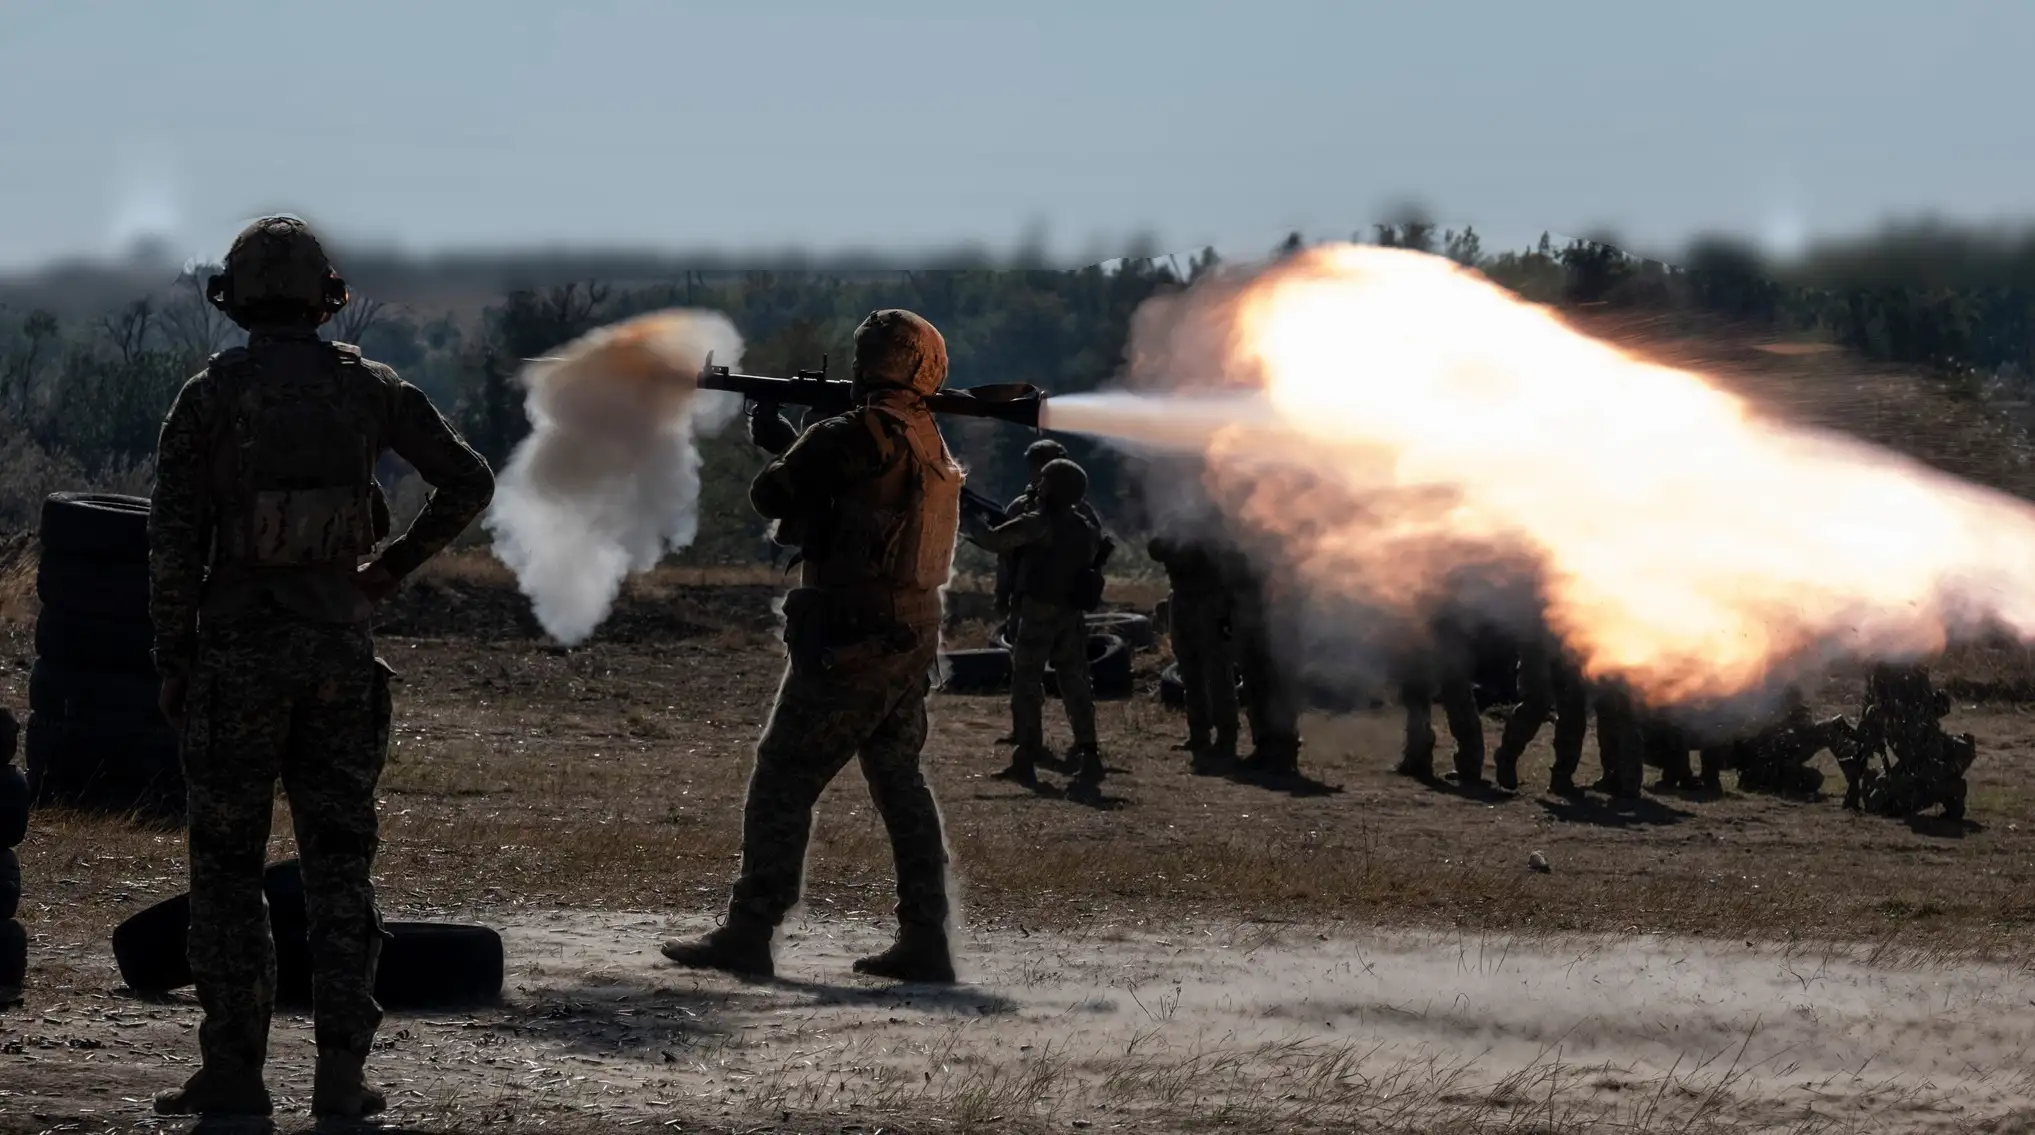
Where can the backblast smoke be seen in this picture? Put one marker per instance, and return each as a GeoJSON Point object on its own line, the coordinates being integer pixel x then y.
{"type": "Point", "coordinates": [1393, 434]}
{"type": "Point", "coordinates": [607, 481]}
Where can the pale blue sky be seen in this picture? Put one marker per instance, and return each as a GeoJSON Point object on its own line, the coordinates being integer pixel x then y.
{"type": "Point", "coordinates": [899, 126]}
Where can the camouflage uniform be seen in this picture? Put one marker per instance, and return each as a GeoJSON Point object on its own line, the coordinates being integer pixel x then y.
{"type": "Point", "coordinates": [1775, 756]}
{"type": "Point", "coordinates": [1037, 455]}
{"type": "Point", "coordinates": [264, 502]}
{"type": "Point", "coordinates": [1271, 698]}
{"type": "Point", "coordinates": [1621, 740]}
{"type": "Point", "coordinates": [1052, 544]}
{"type": "Point", "coordinates": [1442, 674]}
{"type": "Point", "coordinates": [872, 497]}
{"type": "Point", "coordinates": [1550, 689]}
{"type": "Point", "coordinates": [1899, 761]}
{"type": "Point", "coordinates": [1200, 629]}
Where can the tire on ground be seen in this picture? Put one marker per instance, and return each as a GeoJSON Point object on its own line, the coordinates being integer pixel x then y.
{"type": "Point", "coordinates": [10, 884]}
{"type": "Point", "coordinates": [1109, 668]}
{"type": "Point", "coordinates": [105, 767]}
{"type": "Point", "coordinates": [1172, 691]}
{"type": "Point", "coordinates": [13, 955]}
{"type": "Point", "coordinates": [76, 694]}
{"type": "Point", "coordinates": [93, 643]}
{"type": "Point", "coordinates": [103, 526]}
{"type": "Point", "coordinates": [150, 947]}
{"type": "Point", "coordinates": [984, 671]}
{"type": "Point", "coordinates": [1134, 629]}
{"type": "Point", "coordinates": [438, 964]}
{"type": "Point", "coordinates": [106, 589]}
{"type": "Point", "coordinates": [14, 800]}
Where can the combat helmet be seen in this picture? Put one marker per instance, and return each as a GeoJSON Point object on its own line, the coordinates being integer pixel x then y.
{"type": "Point", "coordinates": [1063, 482]}
{"type": "Point", "coordinates": [898, 350]}
{"type": "Point", "coordinates": [1042, 451]}
{"type": "Point", "coordinates": [277, 271]}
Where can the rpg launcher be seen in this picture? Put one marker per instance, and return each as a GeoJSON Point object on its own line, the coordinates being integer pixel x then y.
{"type": "Point", "coordinates": [1015, 402]}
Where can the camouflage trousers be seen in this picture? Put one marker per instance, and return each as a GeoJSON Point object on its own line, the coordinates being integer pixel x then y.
{"type": "Point", "coordinates": [1621, 740]}
{"type": "Point", "coordinates": [1550, 689]}
{"type": "Point", "coordinates": [275, 697]}
{"type": "Point", "coordinates": [1208, 670]}
{"type": "Point", "coordinates": [1449, 684]}
{"type": "Point", "coordinates": [1271, 697]}
{"type": "Point", "coordinates": [872, 710]}
{"type": "Point", "coordinates": [1049, 632]}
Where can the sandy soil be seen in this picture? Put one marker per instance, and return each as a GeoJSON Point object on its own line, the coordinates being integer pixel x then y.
{"type": "Point", "coordinates": [1268, 1027]}
{"type": "Point", "coordinates": [1360, 952]}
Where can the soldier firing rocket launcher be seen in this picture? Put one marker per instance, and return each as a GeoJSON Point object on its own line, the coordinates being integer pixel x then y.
{"type": "Point", "coordinates": [1015, 402]}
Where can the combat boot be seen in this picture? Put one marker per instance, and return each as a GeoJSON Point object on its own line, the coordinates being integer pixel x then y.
{"type": "Point", "coordinates": [1196, 743]}
{"type": "Point", "coordinates": [740, 947]}
{"type": "Point", "coordinates": [1278, 759]}
{"type": "Point", "coordinates": [339, 1088]}
{"type": "Point", "coordinates": [919, 955]}
{"type": "Point", "coordinates": [1087, 762]}
{"type": "Point", "coordinates": [211, 1093]}
{"type": "Point", "coordinates": [1217, 759]}
{"type": "Point", "coordinates": [1505, 770]}
{"type": "Point", "coordinates": [1023, 768]}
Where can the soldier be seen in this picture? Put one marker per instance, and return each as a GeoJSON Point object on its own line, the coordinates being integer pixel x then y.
{"type": "Point", "coordinates": [1201, 614]}
{"type": "Point", "coordinates": [1621, 739]}
{"type": "Point", "coordinates": [1899, 761]}
{"type": "Point", "coordinates": [265, 503]}
{"type": "Point", "coordinates": [1271, 701]}
{"type": "Point", "coordinates": [1550, 688]}
{"type": "Point", "coordinates": [1055, 545]}
{"type": "Point", "coordinates": [1443, 673]}
{"type": "Point", "coordinates": [872, 499]}
{"type": "Point", "coordinates": [1037, 455]}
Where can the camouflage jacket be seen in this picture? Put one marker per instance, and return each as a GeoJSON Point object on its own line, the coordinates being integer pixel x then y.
{"type": "Point", "coordinates": [183, 517]}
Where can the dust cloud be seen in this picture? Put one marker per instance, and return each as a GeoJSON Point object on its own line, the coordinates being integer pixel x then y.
{"type": "Point", "coordinates": [608, 481]}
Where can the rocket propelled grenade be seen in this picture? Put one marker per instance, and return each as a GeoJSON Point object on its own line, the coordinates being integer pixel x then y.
{"type": "Point", "coordinates": [1019, 403]}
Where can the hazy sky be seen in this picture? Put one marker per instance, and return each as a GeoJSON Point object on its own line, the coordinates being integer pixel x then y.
{"type": "Point", "coordinates": [897, 126]}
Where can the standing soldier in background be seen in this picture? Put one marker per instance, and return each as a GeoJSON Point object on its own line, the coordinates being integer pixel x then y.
{"type": "Point", "coordinates": [872, 499]}
{"type": "Point", "coordinates": [1550, 689]}
{"type": "Point", "coordinates": [1271, 697]}
{"type": "Point", "coordinates": [1621, 740]}
{"type": "Point", "coordinates": [1056, 545]}
{"type": "Point", "coordinates": [1201, 618]}
{"type": "Point", "coordinates": [1441, 672]}
{"type": "Point", "coordinates": [265, 504]}
{"type": "Point", "coordinates": [1037, 455]}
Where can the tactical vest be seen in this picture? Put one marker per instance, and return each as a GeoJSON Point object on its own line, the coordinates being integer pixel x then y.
{"type": "Point", "coordinates": [896, 530]}
{"type": "Point", "coordinates": [1050, 571]}
{"type": "Point", "coordinates": [297, 461]}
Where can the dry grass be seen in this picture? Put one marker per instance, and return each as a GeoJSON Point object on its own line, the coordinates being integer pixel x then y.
{"type": "Point", "coordinates": [526, 775]}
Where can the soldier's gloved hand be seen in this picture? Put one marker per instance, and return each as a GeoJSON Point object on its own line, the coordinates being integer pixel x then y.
{"type": "Point", "coordinates": [768, 431]}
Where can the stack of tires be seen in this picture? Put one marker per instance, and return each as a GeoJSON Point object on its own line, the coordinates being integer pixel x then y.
{"type": "Point", "coordinates": [13, 829]}
{"type": "Point", "coordinates": [96, 739]}
{"type": "Point", "coordinates": [424, 965]}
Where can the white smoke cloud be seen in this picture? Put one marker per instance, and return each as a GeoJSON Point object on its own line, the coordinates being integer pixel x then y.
{"type": "Point", "coordinates": [608, 480]}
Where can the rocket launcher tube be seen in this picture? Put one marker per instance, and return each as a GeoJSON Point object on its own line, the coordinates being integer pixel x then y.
{"type": "Point", "coordinates": [1016, 402]}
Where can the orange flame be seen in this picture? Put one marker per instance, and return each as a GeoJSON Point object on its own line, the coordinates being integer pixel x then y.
{"type": "Point", "coordinates": [1683, 543]}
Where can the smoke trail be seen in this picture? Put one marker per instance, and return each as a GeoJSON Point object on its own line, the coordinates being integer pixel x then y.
{"type": "Point", "coordinates": [608, 481]}
{"type": "Point", "coordinates": [1421, 441]}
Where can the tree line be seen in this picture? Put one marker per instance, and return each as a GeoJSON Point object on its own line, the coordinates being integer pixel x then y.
{"type": "Point", "coordinates": [81, 397]}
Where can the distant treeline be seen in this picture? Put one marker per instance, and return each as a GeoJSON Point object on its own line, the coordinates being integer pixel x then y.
{"type": "Point", "coordinates": [83, 389]}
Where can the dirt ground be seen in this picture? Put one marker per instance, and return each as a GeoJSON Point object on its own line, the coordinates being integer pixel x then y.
{"type": "Point", "coordinates": [1184, 952]}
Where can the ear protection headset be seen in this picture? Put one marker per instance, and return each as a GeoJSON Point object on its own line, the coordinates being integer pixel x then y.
{"type": "Point", "coordinates": [333, 297]}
